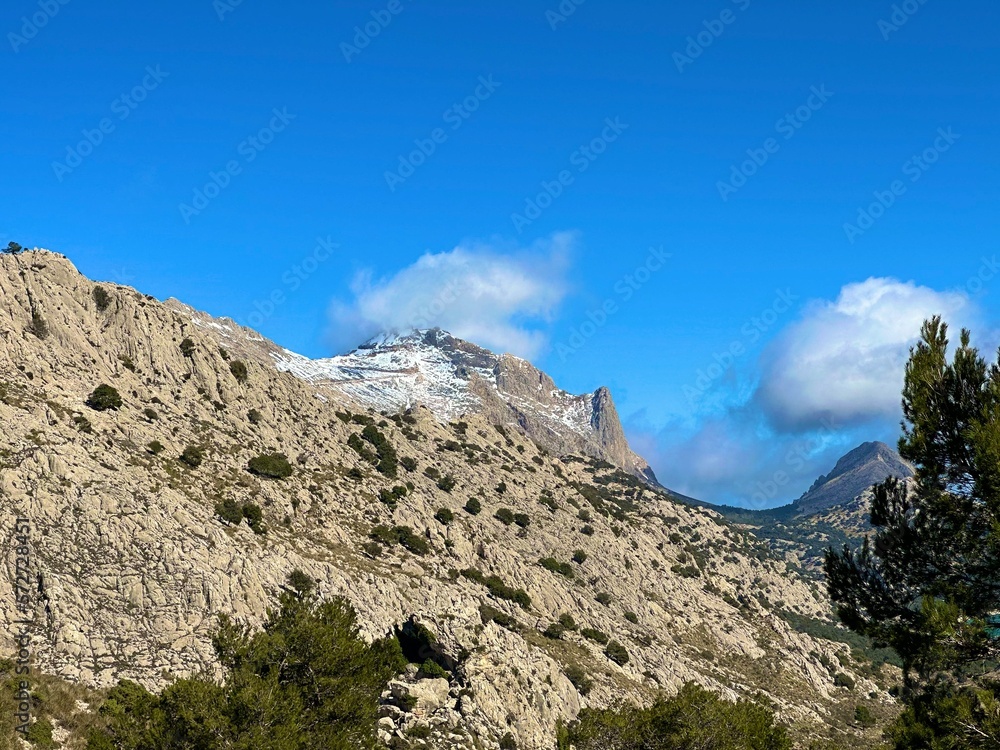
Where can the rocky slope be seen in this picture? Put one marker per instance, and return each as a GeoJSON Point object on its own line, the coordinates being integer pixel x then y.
{"type": "Point", "coordinates": [453, 378]}
{"type": "Point", "coordinates": [130, 563]}
{"type": "Point", "coordinates": [855, 473]}
{"type": "Point", "coordinates": [833, 512]}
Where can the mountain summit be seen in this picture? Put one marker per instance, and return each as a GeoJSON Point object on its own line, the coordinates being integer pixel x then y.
{"type": "Point", "coordinates": [452, 378]}
{"type": "Point", "coordinates": [866, 465]}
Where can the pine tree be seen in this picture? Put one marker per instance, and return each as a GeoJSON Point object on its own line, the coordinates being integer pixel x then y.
{"type": "Point", "coordinates": [928, 583]}
{"type": "Point", "coordinates": [306, 681]}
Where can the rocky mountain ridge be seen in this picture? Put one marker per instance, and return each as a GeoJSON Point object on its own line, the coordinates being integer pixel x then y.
{"type": "Point", "coordinates": [835, 511]}
{"type": "Point", "coordinates": [453, 378]}
{"type": "Point", "coordinates": [856, 472]}
{"type": "Point", "coordinates": [526, 565]}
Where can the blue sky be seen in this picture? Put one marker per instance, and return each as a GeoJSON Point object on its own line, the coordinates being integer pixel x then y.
{"type": "Point", "coordinates": [519, 173]}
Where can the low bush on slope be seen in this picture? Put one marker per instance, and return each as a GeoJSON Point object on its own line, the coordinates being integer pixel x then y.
{"type": "Point", "coordinates": [305, 681]}
{"type": "Point", "coordinates": [693, 719]}
{"type": "Point", "coordinates": [271, 466]}
{"type": "Point", "coordinates": [104, 397]}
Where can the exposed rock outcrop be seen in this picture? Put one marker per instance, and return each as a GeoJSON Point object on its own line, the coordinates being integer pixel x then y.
{"type": "Point", "coordinates": [455, 378]}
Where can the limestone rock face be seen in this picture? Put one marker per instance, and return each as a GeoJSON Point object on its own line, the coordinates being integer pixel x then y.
{"type": "Point", "coordinates": [130, 565]}
{"type": "Point", "coordinates": [454, 378]}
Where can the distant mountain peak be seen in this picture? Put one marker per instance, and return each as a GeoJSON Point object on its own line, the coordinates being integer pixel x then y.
{"type": "Point", "coordinates": [856, 471]}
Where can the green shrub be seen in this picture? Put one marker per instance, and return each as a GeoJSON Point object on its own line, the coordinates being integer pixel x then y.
{"type": "Point", "coordinates": [270, 466]}
{"type": "Point", "coordinates": [431, 473]}
{"type": "Point", "coordinates": [358, 446]}
{"type": "Point", "coordinates": [301, 583]}
{"type": "Point", "coordinates": [101, 298]}
{"type": "Point", "coordinates": [104, 397]}
{"type": "Point", "coordinates": [632, 617]}
{"type": "Point", "coordinates": [187, 348]}
{"type": "Point", "coordinates": [864, 717]}
{"type": "Point", "coordinates": [584, 515]}
{"type": "Point", "coordinates": [576, 675]}
{"type": "Point", "coordinates": [567, 621]}
{"type": "Point", "coordinates": [473, 507]}
{"type": "Point", "coordinates": [505, 516]}
{"type": "Point", "coordinates": [554, 631]}
{"type": "Point", "coordinates": [384, 535]}
{"type": "Point", "coordinates": [490, 614]}
{"type": "Point", "coordinates": [579, 557]}
{"type": "Point", "coordinates": [522, 519]}
{"type": "Point", "coordinates": [319, 645]}
{"type": "Point", "coordinates": [255, 517]}
{"type": "Point", "coordinates": [193, 456]}
{"type": "Point", "coordinates": [507, 742]}
{"type": "Point", "coordinates": [255, 417]}
{"type": "Point", "coordinates": [498, 588]}
{"type": "Point", "coordinates": [388, 498]}
{"type": "Point", "coordinates": [553, 565]}
{"type": "Point", "coordinates": [617, 653]}
{"type": "Point", "coordinates": [686, 571]}
{"type": "Point", "coordinates": [410, 464]}
{"type": "Point", "coordinates": [604, 598]}
{"type": "Point", "coordinates": [587, 530]}
{"type": "Point", "coordinates": [446, 483]}
{"type": "Point", "coordinates": [591, 634]}
{"type": "Point", "coordinates": [155, 447]}
{"type": "Point", "coordinates": [844, 681]}
{"type": "Point", "coordinates": [83, 424]}
{"type": "Point", "coordinates": [239, 370]}
{"type": "Point", "coordinates": [229, 511]}
{"type": "Point", "coordinates": [412, 541]}
{"type": "Point", "coordinates": [548, 501]}
{"type": "Point", "coordinates": [694, 718]}
{"type": "Point", "coordinates": [501, 488]}
{"type": "Point", "coordinates": [402, 535]}
{"type": "Point", "coordinates": [831, 632]}
{"type": "Point", "coordinates": [444, 516]}
{"type": "Point", "coordinates": [431, 670]}
{"type": "Point", "coordinates": [150, 414]}
{"type": "Point", "coordinates": [474, 574]}
{"type": "Point", "coordinates": [501, 590]}
{"type": "Point", "coordinates": [387, 458]}
{"type": "Point", "coordinates": [39, 734]}
{"type": "Point", "coordinates": [39, 327]}
{"type": "Point", "coordinates": [419, 732]}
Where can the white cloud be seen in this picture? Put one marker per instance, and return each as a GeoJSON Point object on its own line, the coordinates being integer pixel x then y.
{"type": "Point", "coordinates": [827, 382]}
{"type": "Point", "coordinates": [844, 360]}
{"type": "Point", "coordinates": [492, 294]}
{"type": "Point", "coordinates": [735, 460]}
